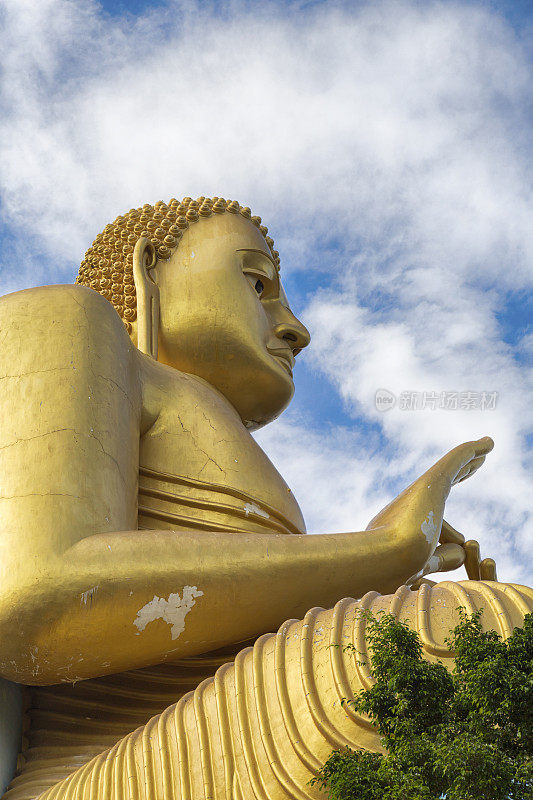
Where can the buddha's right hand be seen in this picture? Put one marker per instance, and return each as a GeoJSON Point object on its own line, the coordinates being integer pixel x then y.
{"type": "Point", "coordinates": [417, 514]}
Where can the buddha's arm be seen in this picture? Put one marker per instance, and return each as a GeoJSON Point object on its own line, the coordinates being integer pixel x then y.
{"type": "Point", "coordinates": [74, 576]}
{"type": "Point", "coordinates": [131, 598]}
{"type": "Point", "coordinates": [79, 620]}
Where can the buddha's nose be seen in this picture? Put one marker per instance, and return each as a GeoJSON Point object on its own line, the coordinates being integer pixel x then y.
{"type": "Point", "coordinates": [293, 332]}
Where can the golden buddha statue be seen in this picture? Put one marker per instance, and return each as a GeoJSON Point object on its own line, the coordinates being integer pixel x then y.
{"type": "Point", "coordinates": [146, 537]}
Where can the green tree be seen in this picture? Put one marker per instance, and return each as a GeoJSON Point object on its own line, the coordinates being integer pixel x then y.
{"type": "Point", "coordinates": [465, 735]}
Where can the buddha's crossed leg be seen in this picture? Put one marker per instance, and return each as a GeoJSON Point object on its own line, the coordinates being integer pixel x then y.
{"type": "Point", "coordinates": [264, 724]}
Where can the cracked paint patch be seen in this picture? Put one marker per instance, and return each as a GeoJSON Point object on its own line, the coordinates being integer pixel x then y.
{"type": "Point", "coordinates": [429, 529]}
{"type": "Point", "coordinates": [433, 565]}
{"type": "Point", "coordinates": [251, 508]}
{"type": "Point", "coordinates": [173, 611]}
{"type": "Point", "coordinates": [87, 597]}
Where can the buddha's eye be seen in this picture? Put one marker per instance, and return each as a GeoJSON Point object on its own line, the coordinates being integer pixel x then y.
{"type": "Point", "coordinates": [260, 285]}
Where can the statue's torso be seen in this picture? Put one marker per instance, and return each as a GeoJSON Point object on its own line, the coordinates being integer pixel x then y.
{"type": "Point", "coordinates": [200, 469]}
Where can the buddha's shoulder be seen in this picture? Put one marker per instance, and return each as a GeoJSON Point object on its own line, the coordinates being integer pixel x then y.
{"type": "Point", "coordinates": [59, 304]}
{"type": "Point", "coordinates": [38, 318]}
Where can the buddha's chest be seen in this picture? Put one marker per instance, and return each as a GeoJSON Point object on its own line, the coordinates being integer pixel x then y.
{"type": "Point", "coordinates": [201, 469]}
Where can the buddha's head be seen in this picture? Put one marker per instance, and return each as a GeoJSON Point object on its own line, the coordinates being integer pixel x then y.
{"type": "Point", "coordinates": [223, 312]}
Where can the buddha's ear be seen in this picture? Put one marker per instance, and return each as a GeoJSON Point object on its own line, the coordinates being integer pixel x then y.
{"type": "Point", "coordinates": [144, 260]}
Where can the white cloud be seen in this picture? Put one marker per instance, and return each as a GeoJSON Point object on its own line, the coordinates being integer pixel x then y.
{"type": "Point", "coordinates": [387, 148]}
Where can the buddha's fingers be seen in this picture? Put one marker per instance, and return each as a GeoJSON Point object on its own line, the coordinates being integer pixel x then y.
{"type": "Point", "coordinates": [472, 560]}
{"type": "Point", "coordinates": [450, 556]}
{"type": "Point", "coordinates": [487, 570]}
{"type": "Point", "coordinates": [449, 535]}
{"type": "Point", "coordinates": [483, 446]}
{"type": "Point", "coordinates": [466, 455]}
{"type": "Point", "coordinates": [468, 470]}
{"type": "Point", "coordinates": [457, 465]}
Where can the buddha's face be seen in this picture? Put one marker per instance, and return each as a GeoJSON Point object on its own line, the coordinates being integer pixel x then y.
{"type": "Point", "coordinates": [225, 317]}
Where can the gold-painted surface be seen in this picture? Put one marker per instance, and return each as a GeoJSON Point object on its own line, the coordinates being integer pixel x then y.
{"type": "Point", "coordinates": [66, 725]}
{"type": "Point", "coordinates": [108, 264]}
{"type": "Point", "coordinates": [140, 521]}
{"type": "Point", "coordinates": [86, 415]}
{"type": "Point", "coordinates": [188, 503]}
{"type": "Point", "coordinates": [263, 725]}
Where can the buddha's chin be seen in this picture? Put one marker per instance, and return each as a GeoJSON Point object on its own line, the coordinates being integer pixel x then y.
{"type": "Point", "coordinates": [262, 400]}
{"type": "Point", "coordinates": [261, 420]}
{"type": "Point", "coordinates": [266, 409]}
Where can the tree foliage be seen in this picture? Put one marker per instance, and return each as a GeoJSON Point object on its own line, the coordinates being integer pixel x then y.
{"type": "Point", "coordinates": [464, 735]}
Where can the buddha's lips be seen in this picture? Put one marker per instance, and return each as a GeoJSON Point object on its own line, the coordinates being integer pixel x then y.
{"type": "Point", "coordinates": [286, 358]}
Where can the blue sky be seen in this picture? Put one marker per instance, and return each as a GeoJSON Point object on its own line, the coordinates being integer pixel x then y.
{"type": "Point", "coordinates": [387, 146]}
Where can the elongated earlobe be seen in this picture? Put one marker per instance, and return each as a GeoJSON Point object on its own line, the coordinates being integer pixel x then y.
{"type": "Point", "coordinates": [144, 260]}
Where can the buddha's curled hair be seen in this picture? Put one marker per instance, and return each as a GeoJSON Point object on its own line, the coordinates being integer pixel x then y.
{"type": "Point", "coordinates": [108, 264]}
